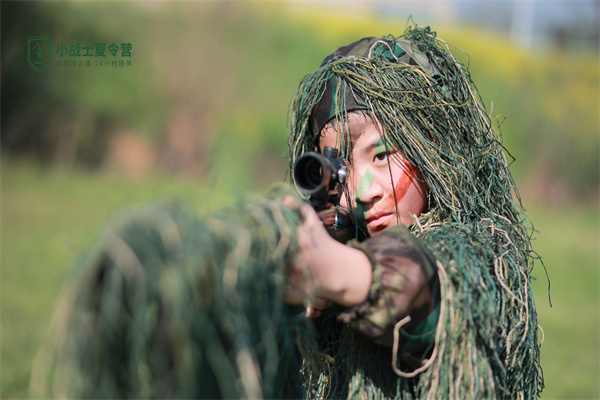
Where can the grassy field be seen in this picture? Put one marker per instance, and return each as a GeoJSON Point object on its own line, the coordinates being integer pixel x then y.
{"type": "Point", "coordinates": [568, 243]}
{"type": "Point", "coordinates": [50, 216]}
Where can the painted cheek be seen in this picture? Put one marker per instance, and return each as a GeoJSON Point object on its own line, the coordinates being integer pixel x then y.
{"type": "Point", "coordinates": [400, 189]}
{"type": "Point", "coordinates": [364, 185]}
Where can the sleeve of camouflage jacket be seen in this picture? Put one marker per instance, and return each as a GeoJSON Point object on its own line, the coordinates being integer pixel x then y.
{"type": "Point", "coordinates": [404, 284]}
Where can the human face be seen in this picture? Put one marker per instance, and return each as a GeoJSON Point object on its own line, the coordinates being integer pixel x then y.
{"type": "Point", "coordinates": [385, 189]}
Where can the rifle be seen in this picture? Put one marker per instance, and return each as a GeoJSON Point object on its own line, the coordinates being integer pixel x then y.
{"type": "Point", "coordinates": [321, 178]}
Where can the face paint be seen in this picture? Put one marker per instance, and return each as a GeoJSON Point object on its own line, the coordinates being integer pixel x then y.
{"type": "Point", "coordinates": [365, 184]}
{"type": "Point", "coordinates": [400, 188]}
{"type": "Point", "coordinates": [382, 146]}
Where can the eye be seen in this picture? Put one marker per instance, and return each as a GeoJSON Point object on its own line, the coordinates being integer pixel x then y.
{"type": "Point", "coordinates": [383, 156]}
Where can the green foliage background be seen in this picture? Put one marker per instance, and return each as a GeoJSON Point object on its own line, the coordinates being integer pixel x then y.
{"type": "Point", "coordinates": [217, 77]}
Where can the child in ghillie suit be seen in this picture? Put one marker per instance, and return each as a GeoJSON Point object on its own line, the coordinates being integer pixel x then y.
{"type": "Point", "coordinates": [430, 299]}
{"type": "Point", "coordinates": [438, 295]}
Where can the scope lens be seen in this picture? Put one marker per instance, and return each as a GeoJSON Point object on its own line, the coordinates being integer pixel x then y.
{"type": "Point", "coordinates": [308, 173]}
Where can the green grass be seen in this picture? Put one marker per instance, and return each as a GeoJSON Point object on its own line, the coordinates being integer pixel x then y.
{"type": "Point", "coordinates": [568, 241]}
{"type": "Point", "coordinates": [49, 216]}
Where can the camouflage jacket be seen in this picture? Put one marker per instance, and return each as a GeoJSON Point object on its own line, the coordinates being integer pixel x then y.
{"type": "Point", "coordinates": [404, 284]}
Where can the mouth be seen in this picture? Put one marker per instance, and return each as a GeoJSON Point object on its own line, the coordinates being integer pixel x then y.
{"type": "Point", "coordinates": [377, 221]}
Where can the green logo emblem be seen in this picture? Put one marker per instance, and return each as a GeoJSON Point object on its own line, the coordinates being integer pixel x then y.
{"type": "Point", "coordinates": [39, 52]}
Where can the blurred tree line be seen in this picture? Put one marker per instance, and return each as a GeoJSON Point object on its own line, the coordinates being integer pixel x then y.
{"type": "Point", "coordinates": [66, 116]}
{"type": "Point", "coordinates": [210, 82]}
{"type": "Point", "coordinates": [207, 90]}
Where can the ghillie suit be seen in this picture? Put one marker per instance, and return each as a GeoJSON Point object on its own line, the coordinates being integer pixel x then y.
{"type": "Point", "coordinates": [170, 304]}
{"type": "Point", "coordinates": [486, 342]}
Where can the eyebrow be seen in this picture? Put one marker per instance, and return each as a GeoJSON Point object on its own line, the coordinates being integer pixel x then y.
{"type": "Point", "coordinates": [379, 142]}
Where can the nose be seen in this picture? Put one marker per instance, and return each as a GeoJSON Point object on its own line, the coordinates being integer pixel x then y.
{"type": "Point", "coordinates": [363, 189]}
